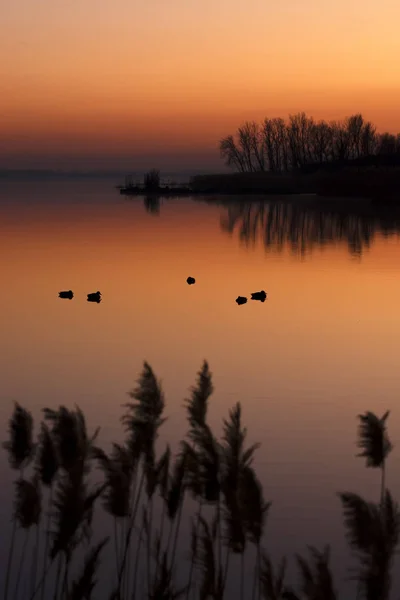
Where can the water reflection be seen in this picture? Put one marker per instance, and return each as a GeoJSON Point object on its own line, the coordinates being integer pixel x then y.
{"type": "Point", "coordinates": [296, 224]}
{"type": "Point", "coordinates": [152, 204]}
{"type": "Point", "coordinates": [302, 228]}
{"type": "Point", "coordinates": [323, 349]}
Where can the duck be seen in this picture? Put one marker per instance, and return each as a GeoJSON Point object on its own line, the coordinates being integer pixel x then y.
{"type": "Point", "coordinates": [66, 294]}
{"type": "Point", "coordinates": [241, 300]}
{"type": "Point", "coordinates": [259, 296]}
{"type": "Point", "coordinates": [190, 280]}
{"type": "Point", "coordinates": [94, 297]}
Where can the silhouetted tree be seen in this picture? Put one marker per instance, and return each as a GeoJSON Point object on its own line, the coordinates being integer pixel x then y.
{"type": "Point", "coordinates": [387, 143]}
{"type": "Point", "coordinates": [278, 146]}
{"type": "Point", "coordinates": [231, 153]}
{"type": "Point", "coordinates": [152, 179]}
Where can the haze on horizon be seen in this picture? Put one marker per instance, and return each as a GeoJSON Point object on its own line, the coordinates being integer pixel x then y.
{"type": "Point", "coordinates": [100, 84]}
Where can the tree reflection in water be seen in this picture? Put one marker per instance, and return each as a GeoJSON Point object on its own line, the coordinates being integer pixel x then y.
{"type": "Point", "coordinates": [302, 228]}
{"type": "Point", "coordinates": [152, 204]}
{"type": "Point", "coordinates": [299, 225]}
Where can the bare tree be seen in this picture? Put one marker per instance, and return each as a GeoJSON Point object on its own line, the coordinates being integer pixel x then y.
{"type": "Point", "coordinates": [299, 129]}
{"type": "Point", "coordinates": [269, 144]}
{"type": "Point", "coordinates": [231, 153]}
{"type": "Point", "coordinates": [249, 143]}
{"type": "Point", "coordinates": [321, 142]}
{"type": "Point", "coordinates": [368, 139]}
{"type": "Point", "coordinates": [258, 146]}
{"type": "Point", "coordinates": [386, 143]}
{"type": "Point", "coordinates": [278, 146]}
{"type": "Point", "coordinates": [354, 126]}
{"type": "Point", "coordinates": [398, 143]}
{"type": "Point", "coordinates": [340, 141]}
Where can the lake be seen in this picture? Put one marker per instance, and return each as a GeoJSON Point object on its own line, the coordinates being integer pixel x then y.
{"type": "Point", "coordinates": [323, 348]}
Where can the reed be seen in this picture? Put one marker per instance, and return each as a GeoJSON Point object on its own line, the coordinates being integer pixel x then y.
{"type": "Point", "coordinates": [145, 496]}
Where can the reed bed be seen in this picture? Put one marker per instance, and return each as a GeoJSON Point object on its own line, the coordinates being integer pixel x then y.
{"type": "Point", "coordinates": [54, 551]}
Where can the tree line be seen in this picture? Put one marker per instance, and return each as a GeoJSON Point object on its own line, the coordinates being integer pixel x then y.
{"type": "Point", "coordinates": [277, 145]}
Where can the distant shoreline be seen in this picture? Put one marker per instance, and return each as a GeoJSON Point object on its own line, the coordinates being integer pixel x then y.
{"type": "Point", "coordinates": [379, 184]}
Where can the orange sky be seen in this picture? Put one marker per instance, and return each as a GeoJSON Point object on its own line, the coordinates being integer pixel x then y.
{"type": "Point", "coordinates": [99, 83]}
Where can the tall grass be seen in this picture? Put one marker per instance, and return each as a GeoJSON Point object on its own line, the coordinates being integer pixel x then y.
{"type": "Point", "coordinates": [144, 495]}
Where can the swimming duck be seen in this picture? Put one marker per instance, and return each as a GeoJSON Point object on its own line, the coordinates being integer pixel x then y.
{"type": "Point", "coordinates": [68, 294]}
{"type": "Point", "coordinates": [94, 297]}
{"type": "Point", "coordinates": [241, 300]}
{"type": "Point", "coordinates": [191, 280]}
{"type": "Point", "coordinates": [259, 296]}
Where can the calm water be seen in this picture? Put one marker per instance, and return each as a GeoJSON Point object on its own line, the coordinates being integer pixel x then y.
{"type": "Point", "coordinates": [323, 347]}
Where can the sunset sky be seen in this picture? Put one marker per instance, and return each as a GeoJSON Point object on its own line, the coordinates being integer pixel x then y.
{"type": "Point", "coordinates": [121, 83]}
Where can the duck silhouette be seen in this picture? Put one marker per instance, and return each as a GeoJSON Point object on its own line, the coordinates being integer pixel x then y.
{"type": "Point", "coordinates": [66, 294]}
{"type": "Point", "coordinates": [241, 300]}
{"type": "Point", "coordinates": [191, 280]}
{"type": "Point", "coordinates": [94, 297]}
{"type": "Point", "coordinates": [259, 296]}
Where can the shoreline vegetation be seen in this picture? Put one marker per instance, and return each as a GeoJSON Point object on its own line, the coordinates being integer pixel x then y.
{"type": "Point", "coordinates": [57, 506]}
{"type": "Point", "coordinates": [299, 156]}
{"type": "Point", "coordinates": [380, 185]}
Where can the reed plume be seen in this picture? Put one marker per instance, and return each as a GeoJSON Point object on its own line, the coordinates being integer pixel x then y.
{"type": "Point", "coordinates": [254, 513]}
{"type": "Point", "coordinates": [117, 480]}
{"type": "Point", "coordinates": [141, 421]}
{"type": "Point", "coordinates": [46, 459]}
{"type": "Point", "coordinates": [72, 513]}
{"type": "Point", "coordinates": [374, 442]}
{"type": "Point", "coordinates": [149, 401]}
{"type": "Point", "coordinates": [202, 451]}
{"type": "Point", "coordinates": [72, 517]}
{"type": "Point", "coordinates": [197, 404]}
{"type": "Point", "coordinates": [27, 507]}
{"type": "Point", "coordinates": [236, 464]}
{"type": "Point", "coordinates": [27, 511]}
{"type": "Point", "coordinates": [212, 584]}
{"type": "Point", "coordinates": [46, 467]}
{"type": "Point", "coordinates": [235, 460]}
{"type": "Point", "coordinates": [316, 576]}
{"type": "Point", "coordinates": [20, 449]}
{"type": "Point", "coordinates": [70, 438]}
{"type": "Point", "coordinates": [20, 446]}
{"type": "Point", "coordinates": [117, 469]}
{"type": "Point", "coordinates": [272, 583]}
{"type": "Point", "coordinates": [373, 533]}
{"type": "Point", "coordinates": [83, 586]}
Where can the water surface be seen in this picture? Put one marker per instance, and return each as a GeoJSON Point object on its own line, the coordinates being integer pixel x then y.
{"type": "Point", "coordinates": [322, 348]}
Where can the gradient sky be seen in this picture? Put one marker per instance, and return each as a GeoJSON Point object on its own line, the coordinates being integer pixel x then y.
{"type": "Point", "coordinates": [101, 83]}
